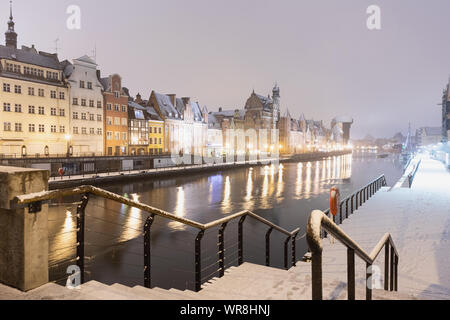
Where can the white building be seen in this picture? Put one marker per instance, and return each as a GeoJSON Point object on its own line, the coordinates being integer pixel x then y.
{"type": "Point", "coordinates": [86, 107]}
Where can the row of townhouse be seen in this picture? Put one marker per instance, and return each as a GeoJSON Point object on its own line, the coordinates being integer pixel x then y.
{"type": "Point", "coordinates": [64, 108]}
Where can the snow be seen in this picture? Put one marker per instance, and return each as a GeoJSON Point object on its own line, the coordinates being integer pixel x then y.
{"type": "Point", "coordinates": [419, 222]}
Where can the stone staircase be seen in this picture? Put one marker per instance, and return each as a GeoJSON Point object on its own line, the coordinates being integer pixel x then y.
{"type": "Point", "coordinates": [254, 282]}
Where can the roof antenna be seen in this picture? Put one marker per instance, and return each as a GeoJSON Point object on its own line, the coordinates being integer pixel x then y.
{"type": "Point", "coordinates": [56, 45]}
{"type": "Point", "coordinates": [94, 53]}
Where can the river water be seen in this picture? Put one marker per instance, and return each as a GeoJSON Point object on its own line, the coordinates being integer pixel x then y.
{"type": "Point", "coordinates": [284, 195]}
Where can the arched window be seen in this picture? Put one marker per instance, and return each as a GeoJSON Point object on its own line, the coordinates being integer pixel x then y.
{"type": "Point", "coordinates": [46, 151]}
{"type": "Point", "coordinates": [24, 151]}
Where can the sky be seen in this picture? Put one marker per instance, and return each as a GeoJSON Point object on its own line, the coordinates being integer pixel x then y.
{"type": "Point", "coordinates": [320, 53]}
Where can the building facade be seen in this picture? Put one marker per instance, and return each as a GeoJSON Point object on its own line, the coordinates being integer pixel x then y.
{"type": "Point", "coordinates": [185, 124]}
{"type": "Point", "coordinates": [86, 107]}
{"type": "Point", "coordinates": [428, 135]}
{"type": "Point", "coordinates": [138, 129]}
{"type": "Point", "coordinates": [34, 101]}
{"type": "Point", "coordinates": [115, 117]}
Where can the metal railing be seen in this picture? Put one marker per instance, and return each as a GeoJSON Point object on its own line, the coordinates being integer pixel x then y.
{"type": "Point", "coordinates": [412, 174]}
{"type": "Point", "coordinates": [318, 221]}
{"type": "Point", "coordinates": [35, 201]}
{"type": "Point", "coordinates": [357, 199]}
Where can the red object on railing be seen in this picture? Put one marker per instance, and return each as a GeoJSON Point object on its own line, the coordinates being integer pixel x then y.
{"type": "Point", "coordinates": [61, 171]}
{"type": "Point", "coordinates": [334, 201]}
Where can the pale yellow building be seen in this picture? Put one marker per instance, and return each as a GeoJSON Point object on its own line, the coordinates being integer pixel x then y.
{"type": "Point", "coordinates": [34, 101]}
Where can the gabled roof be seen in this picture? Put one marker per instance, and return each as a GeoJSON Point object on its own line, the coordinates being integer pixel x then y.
{"type": "Point", "coordinates": [166, 106]}
{"type": "Point", "coordinates": [267, 102]}
{"type": "Point", "coordinates": [30, 56]}
{"type": "Point", "coordinates": [198, 116]}
{"type": "Point", "coordinates": [86, 59]}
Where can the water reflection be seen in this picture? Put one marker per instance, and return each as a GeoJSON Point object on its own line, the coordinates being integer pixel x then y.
{"type": "Point", "coordinates": [180, 210]}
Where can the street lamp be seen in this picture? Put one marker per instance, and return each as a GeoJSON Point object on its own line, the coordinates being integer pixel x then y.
{"type": "Point", "coordinates": [68, 137]}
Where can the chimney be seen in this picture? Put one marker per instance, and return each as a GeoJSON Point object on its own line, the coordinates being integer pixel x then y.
{"type": "Point", "coordinates": [186, 100]}
{"type": "Point", "coordinates": [172, 98]}
{"type": "Point", "coordinates": [220, 109]}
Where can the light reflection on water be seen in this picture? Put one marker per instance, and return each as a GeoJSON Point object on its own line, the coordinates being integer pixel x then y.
{"type": "Point", "coordinates": [283, 194]}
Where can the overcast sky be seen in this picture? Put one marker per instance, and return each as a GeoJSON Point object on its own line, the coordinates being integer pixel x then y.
{"type": "Point", "coordinates": [321, 53]}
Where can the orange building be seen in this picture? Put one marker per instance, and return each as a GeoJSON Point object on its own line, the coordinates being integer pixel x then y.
{"type": "Point", "coordinates": [116, 116]}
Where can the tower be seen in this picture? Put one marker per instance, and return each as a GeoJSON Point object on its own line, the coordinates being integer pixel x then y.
{"type": "Point", "coordinates": [10, 34]}
{"type": "Point", "coordinates": [276, 105]}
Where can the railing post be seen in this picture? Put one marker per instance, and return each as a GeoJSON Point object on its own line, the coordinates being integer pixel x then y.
{"type": "Point", "coordinates": [81, 208]}
{"type": "Point", "coordinates": [353, 198]}
{"type": "Point", "coordinates": [316, 275]}
{"type": "Point", "coordinates": [147, 251]}
{"type": "Point", "coordinates": [241, 240]}
{"type": "Point", "coordinates": [268, 247]}
{"type": "Point", "coordinates": [346, 208]}
{"type": "Point", "coordinates": [294, 258]}
{"type": "Point", "coordinates": [386, 266]}
{"type": "Point", "coordinates": [286, 260]}
{"type": "Point", "coordinates": [198, 262]}
{"type": "Point", "coordinates": [396, 273]}
{"type": "Point", "coordinates": [221, 245]}
{"type": "Point", "coordinates": [392, 269]}
{"type": "Point", "coordinates": [340, 212]}
{"type": "Point", "coordinates": [368, 281]}
{"type": "Point", "coordinates": [351, 273]}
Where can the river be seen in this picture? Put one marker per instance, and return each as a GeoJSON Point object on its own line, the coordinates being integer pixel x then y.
{"type": "Point", "coordinates": [284, 195]}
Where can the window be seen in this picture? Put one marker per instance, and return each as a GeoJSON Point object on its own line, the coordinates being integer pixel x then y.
{"type": "Point", "coordinates": [62, 129]}
{"type": "Point", "coordinates": [7, 107]}
{"type": "Point", "coordinates": [62, 112]}
{"type": "Point", "coordinates": [41, 92]}
{"type": "Point", "coordinates": [124, 122]}
{"type": "Point", "coordinates": [109, 135]}
{"type": "Point", "coordinates": [116, 94]}
{"type": "Point", "coordinates": [17, 89]}
{"type": "Point", "coordinates": [109, 121]}
{"type": "Point", "coordinates": [160, 141]}
{"type": "Point", "coordinates": [89, 85]}
{"type": "Point", "coordinates": [92, 131]}
{"type": "Point", "coordinates": [160, 131]}
{"type": "Point", "coordinates": [99, 104]}
{"type": "Point", "coordinates": [18, 127]}
{"type": "Point", "coordinates": [62, 96]}
{"type": "Point", "coordinates": [53, 129]}
{"type": "Point", "coordinates": [75, 115]}
{"type": "Point", "coordinates": [83, 102]}
{"type": "Point", "coordinates": [92, 117]}
{"type": "Point", "coordinates": [83, 116]}
{"type": "Point", "coordinates": [151, 141]}
{"type": "Point", "coordinates": [6, 87]}
{"type": "Point", "coordinates": [53, 111]}
{"type": "Point", "coordinates": [7, 126]}
{"type": "Point", "coordinates": [99, 117]}
{"type": "Point", "coordinates": [53, 94]}
{"type": "Point", "coordinates": [18, 108]}
{"type": "Point", "coordinates": [116, 121]}
{"type": "Point", "coordinates": [31, 128]}
{"type": "Point", "coordinates": [91, 103]}
{"type": "Point", "coordinates": [41, 110]}
{"type": "Point", "coordinates": [31, 110]}
{"type": "Point", "coordinates": [75, 101]}
{"type": "Point", "coordinates": [151, 130]}
{"type": "Point", "coordinates": [30, 91]}
{"type": "Point", "coordinates": [99, 131]}
{"type": "Point", "coordinates": [124, 108]}
{"type": "Point", "coordinates": [82, 84]}
{"type": "Point", "coordinates": [116, 107]}
{"type": "Point", "coordinates": [75, 130]}
{"type": "Point", "coordinates": [124, 136]}
{"type": "Point", "coordinates": [109, 107]}
{"type": "Point", "coordinates": [41, 128]}
{"type": "Point", "coordinates": [117, 135]}
{"type": "Point", "coordinates": [83, 131]}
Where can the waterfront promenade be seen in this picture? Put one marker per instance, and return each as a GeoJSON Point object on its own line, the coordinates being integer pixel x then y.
{"type": "Point", "coordinates": [417, 218]}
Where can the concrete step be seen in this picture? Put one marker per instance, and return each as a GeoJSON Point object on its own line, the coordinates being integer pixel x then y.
{"type": "Point", "coordinates": [103, 292]}
{"type": "Point", "coordinates": [131, 293]}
